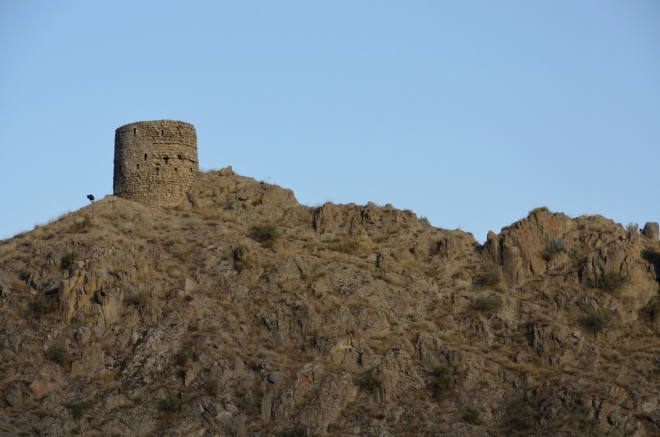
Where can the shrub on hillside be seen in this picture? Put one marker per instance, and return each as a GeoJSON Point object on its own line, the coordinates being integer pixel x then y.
{"type": "Point", "coordinates": [595, 321]}
{"type": "Point", "coordinates": [59, 354]}
{"type": "Point", "coordinates": [78, 408]}
{"type": "Point", "coordinates": [443, 380]}
{"type": "Point", "coordinates": [491, 278]}
{"type": "Point", "coordinates": [486, 304]}
{"type": "Point", "coordinates": [68, 259]}
{"type": "Point", "coordinates": [555, 246]}
{"type": "Point", "coordinates": [297, 431]}
{"type": "Point", "coordinates": [651, 311]}
{"type": "Point", "coordinates": [369, 381]}
{"type": "Point", "coordinates": [170, 404]}
{"type": "Point", "coordinates": [42, 306]}
{"type": "Point", "coordinates": [265, 233]}
{"type": "Point", "coordinates": [610, 282]}
{"type": "Point", "coordinates": [538, 210]}
{"type": "Point", "coordinates": [345, 246]}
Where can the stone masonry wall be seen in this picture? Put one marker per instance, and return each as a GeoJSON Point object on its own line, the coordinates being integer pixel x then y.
{"type": "Point", "coordinates": [155, 161]}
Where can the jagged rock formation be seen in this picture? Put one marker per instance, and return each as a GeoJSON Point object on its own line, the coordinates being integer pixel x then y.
{"type": "Point", "coordinates": [239, 312]}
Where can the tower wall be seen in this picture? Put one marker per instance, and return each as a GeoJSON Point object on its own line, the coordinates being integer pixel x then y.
{"type": "Point", "coordinates": [155, 161]}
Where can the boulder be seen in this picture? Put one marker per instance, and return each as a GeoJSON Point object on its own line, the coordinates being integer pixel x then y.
{"type": "Point", "coordinates": [651, 230]}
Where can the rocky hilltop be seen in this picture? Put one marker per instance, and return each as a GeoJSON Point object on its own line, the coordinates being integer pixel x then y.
{"type": "Point", "coordinates": [240, 312]}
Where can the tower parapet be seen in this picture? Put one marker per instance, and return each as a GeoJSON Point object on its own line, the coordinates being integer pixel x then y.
{"type": "Point", "coordinates": [155, 161]}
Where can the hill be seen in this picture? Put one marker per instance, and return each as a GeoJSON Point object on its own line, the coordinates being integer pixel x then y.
{"type": "Point", "coordinates": [240, 312]}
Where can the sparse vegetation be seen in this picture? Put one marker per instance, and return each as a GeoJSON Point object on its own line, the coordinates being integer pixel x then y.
{"type": "Point", "coordinates": [595, 321]}
{"type": "Point", "coordinates": [632, 227]}
{"type": "Point", "coordinates": [490, 278]}
{"type": "Point", "coordinates": [521, 414]}
{"type": "Point", "coordinates": [250, 404]}
{"type": "Point", "coordinates": [136, 299]}
{"type": "Point", "coordinates": [369, 381]}
{"type": "Point", "coordinates": [170, 404]}
{"type": "Point", "coordinates": [425, 220]}
{"type": "Point", "coordinates": [610, 282]}
{"type": "Point", "coordinates": [297, 431]}
{"type": "Point", "coordinates": [58, 353]}
{"type": "Point", "coordinates": [443, 380]}
{"type": "Point", "coordinates": [265, 233]}
{"type": "Point", "coordinates": [539, 210]}
{"type": "Point", "coordinates": [183, 359]}
{"type": "Point", "coordinates": [309, 246]}
{"type": "Point", "coordinates": [68, 259]}
{"type": "Point", "coordinates": [486, 304]}
{"type": "Point", "coordinates": [555, 246]}
{"type": "Point", "coordinates": [651, 311]}
{"type": "Point", "coordinates": [345, 246]}
{"type": "Point", "coordinates": [42, 306]}
{"type": "Point", "coordinates": [471, 416]}
{"type": "Point", "coordinates": [78, 409]}
{"type": "Point", "coordinates": [211, 386]}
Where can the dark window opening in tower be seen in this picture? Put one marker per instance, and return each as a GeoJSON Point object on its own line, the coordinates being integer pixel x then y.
{"type": "Point", "coordinates": [157, 169]}
{"type": "Point", "coordinates": [138, 166]}
{"type": "Point", "coordinates": [134, 131]}
{"type": "Point", "coordinates": [179, 156]}
{"type": "Point", "coordinates": [145, 156]}
{"type": "Point", "coordinates": [162, 132]}
{"type": "Point", "coordinates": [176, 169]}
{"type": "Point", "coordinates": [191, 170]}
{"type": "Point", "coordinates": [166, 158]}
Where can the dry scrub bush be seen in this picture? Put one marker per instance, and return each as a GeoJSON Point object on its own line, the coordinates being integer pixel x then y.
{"type": "Point", "coordinates": [486, 304]}
{"type": "Point", "coordinates": [443, 380]}
{"type": "Point", "coordinates": [345, 246]}
{"type": "Point", "coordinates": [369, 381]}
{"type": "Point", "coordinates": [651, 311]}
{"type": "Point", "coordinates": [490, 278]}
{"type": "Point", "coordinates": [266, 234]}
{"type": "Point", "coordinates": [58, 353]}
{"type": "Point", "coordinates": [610, 282]}
{"type": "Point", "coordinates": [595, 321]}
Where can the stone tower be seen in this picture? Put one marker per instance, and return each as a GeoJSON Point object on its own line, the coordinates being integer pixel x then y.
{"type": "Point", "coordinates": [155, 161]}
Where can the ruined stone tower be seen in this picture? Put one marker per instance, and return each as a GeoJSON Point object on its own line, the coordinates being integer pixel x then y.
{"type": "Point", "coordinates": [155, 161]}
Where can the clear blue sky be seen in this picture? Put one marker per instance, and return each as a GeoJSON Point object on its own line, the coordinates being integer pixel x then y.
{"type": "Point", "coordinates": [469, 113]}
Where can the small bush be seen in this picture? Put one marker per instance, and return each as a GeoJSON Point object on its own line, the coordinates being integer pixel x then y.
{"type": "Point", "coordinates": [345, 246]}
{"type": "Point", "coordinates": [59, 354]}
{"type": "Point", "coordinates": [610, 282]}
{"type": "Point", "coordinates": [368, 380]}
{"type": "Point", "coordinates": [68, 259]}
{"type": "Point", "coordinates": [265, 233]}
{"type": "Point", "coordinates": [595, 321]}
{"type": "Point", "coordinates": [486, 304]}
{"type": "Point", "coordinates": [211, 386]}
{"type": "Point", "coordinates": [471, 416]}
{"type": "Point", "coordinates": [553, 248]}
{"type": "Point", "coordinates": [632, 227]}
{"type": "Point", "coordinates": [170, 404]}
{"type": "Point", "coordinates": [491, 278]}
{"type": "Point", "coordinates": [137, 299]}
{"type": "Point", "coordinates": [538, 210]}
{"type": "Point", "coordinates": [309, 246]}
{"type": "Point", "coordinates": [182, 359]}
{"type": "Point", "coordinates": [521, 415]}
{"type": "Point", "coordinates": [243, 258]}
{"type": "Point", "coordinates": [651, 311]}
{"type": "Point", "coordinates": [443, 380]}
{"type": "Point", "coordinates": [251, 404]}
{"type": "Point", "coordinates": [297, 431]}
{"type": "Point", "coordinates": [425, 220]}
{"type": "Point", "coordinates": [42, 306]}
{"type": "Point", "coordinates": [78, 408]}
